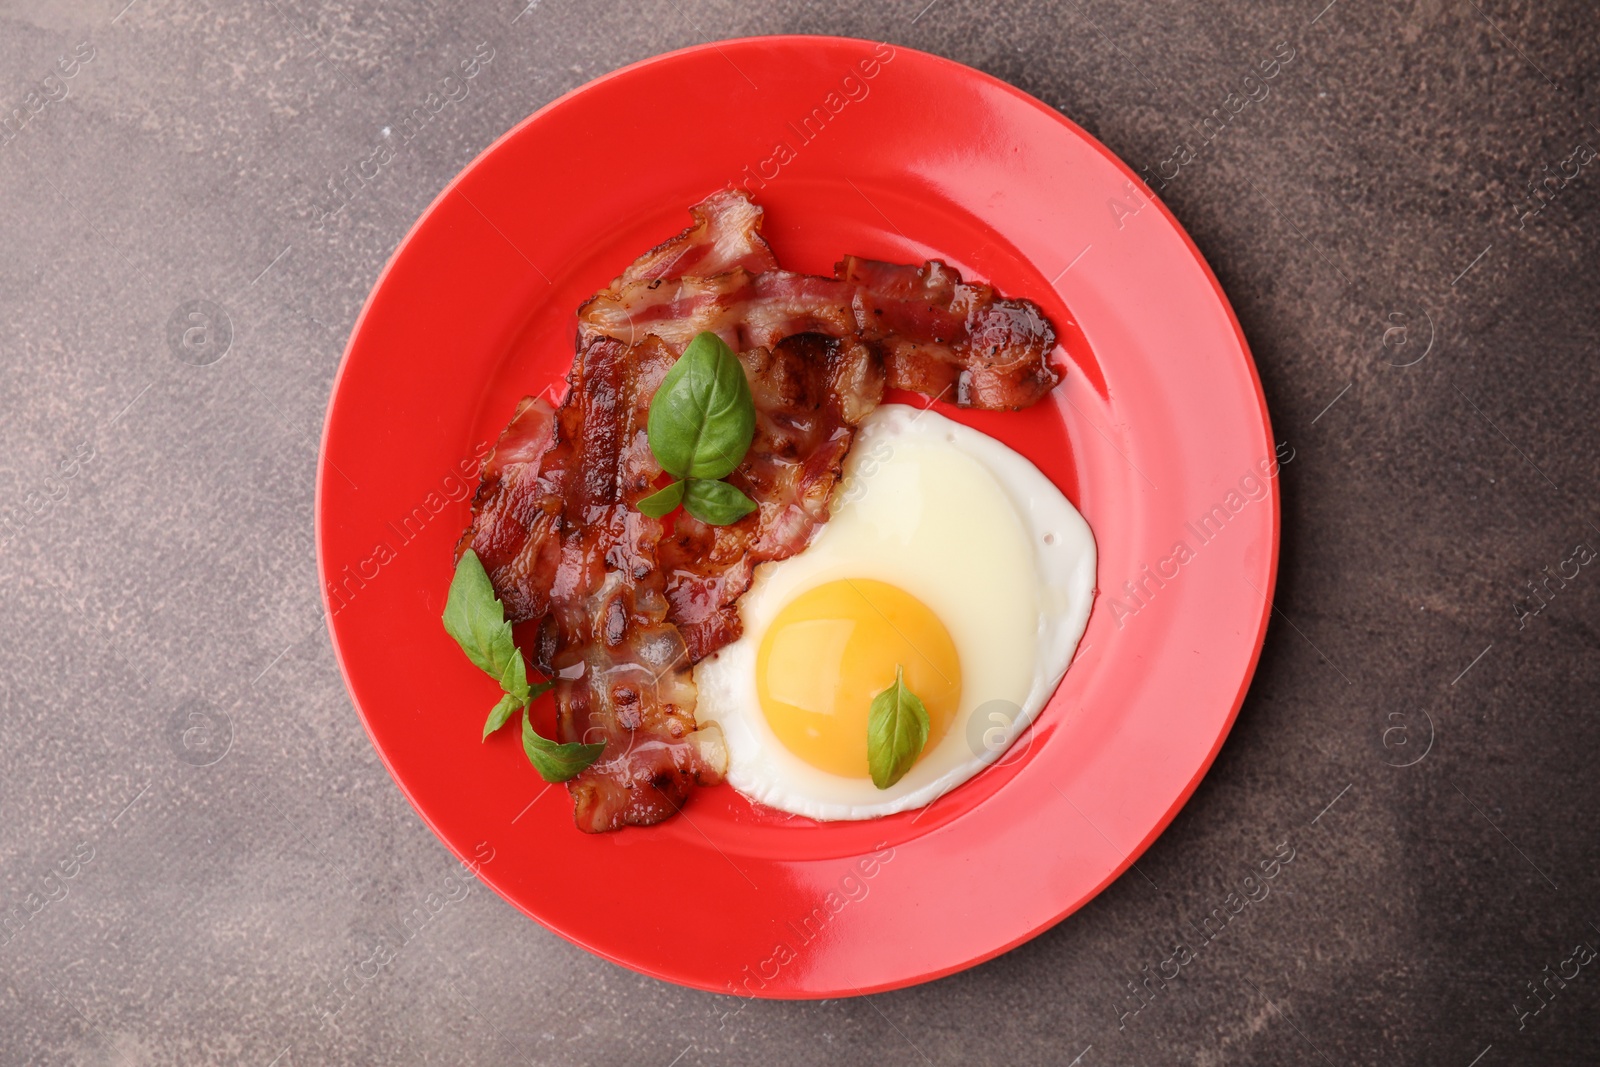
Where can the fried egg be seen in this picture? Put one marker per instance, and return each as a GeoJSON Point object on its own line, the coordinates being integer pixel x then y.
{"type": "Point", "coordinates": [948, 556]}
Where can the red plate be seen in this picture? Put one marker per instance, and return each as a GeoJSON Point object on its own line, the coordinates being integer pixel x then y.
{"type": "Point", "coordinates": [1159, 435]}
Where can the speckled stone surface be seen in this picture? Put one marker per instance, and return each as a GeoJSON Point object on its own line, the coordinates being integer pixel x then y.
{"type": "Point", "coordinates": [198, 844]}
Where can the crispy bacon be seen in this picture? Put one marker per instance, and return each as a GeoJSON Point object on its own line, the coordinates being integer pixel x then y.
{"type": "Point", "coordinates": [726, 234]}
{"type": "Point", "coordinates": [515, 517]}
{"type": "Point", "coordinates": [586, 570]}
{"type": "Point", "coordinates": [938, 335]}
{"type": "Point", "coordinates": [622, 672]}
{"type": "Point", "coordinates": [625, 608]}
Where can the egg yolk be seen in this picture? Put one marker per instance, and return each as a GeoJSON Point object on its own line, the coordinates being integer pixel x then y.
{"type": "Point", "coordinates": [832, 649]}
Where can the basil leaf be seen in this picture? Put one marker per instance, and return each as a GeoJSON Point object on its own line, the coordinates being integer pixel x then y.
{"type": "Point", "coordinates": [702, 417]}
{"type": "Point", "coordinates": [500, 714]}
{"type": "Point", "coordinates": [662, 501]}
{"type": "Point", "coordinates": [514, 677]}
{"type": "Point", "coordinates": [716, 502]}
{"type": "Point", "coordinates": [556, 763]}
{"type": "Point", "coordinates": [897, 729]}
{"type": "Point", "coordinates": [477, 621]}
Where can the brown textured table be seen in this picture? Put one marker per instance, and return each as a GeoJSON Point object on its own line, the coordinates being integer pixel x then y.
{"type": "Point", "coordinates": [199, 850]}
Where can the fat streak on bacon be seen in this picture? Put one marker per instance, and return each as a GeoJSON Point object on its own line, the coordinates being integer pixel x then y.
{"type": "Point", "coordinates": [625, 604]}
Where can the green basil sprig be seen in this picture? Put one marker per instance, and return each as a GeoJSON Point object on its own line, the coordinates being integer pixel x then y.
{"type": "Point", "coordinates": [702, 420]}
{"type": "Point", "coordinates": [897, 730]}
{"type": "Point", "coordinates": [474, 616]}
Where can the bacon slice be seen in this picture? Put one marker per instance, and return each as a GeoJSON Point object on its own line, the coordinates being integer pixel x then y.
{"type": "Point", "coordinates": [515, 516]}
{"type": "Point", "coordinates": [622, 672]}
{"type": "Point", "coordinates": [940, 333]}
{"type": "Point", "coordinates": [726, 234]}
{"type": "Point", "coordinates": [625, 606]}
{"type": "Point", "coordinates": [746, 310]}
{"type": "Point", "coordinates": [939, 336]}
{"type": "Point", "coordinates": [586, 570]}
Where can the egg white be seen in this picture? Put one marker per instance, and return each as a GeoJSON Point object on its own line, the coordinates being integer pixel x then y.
{"type": "Point", "coordinates": [979, 535]}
